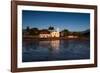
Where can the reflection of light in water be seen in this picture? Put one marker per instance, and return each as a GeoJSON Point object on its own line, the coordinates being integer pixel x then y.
{"type": "Point", "coordinates": [44, 44]}
{"type": "Point", "coordinates": [55, 45]}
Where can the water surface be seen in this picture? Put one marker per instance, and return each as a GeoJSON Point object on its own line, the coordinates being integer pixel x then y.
{"type": "Point", "coordinates": [33, 50]}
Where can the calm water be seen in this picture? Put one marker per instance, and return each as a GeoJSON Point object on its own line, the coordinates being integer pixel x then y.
{"type": "Point", "coordinates": [55, 50]}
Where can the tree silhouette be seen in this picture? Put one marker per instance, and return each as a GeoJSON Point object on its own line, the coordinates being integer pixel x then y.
{"type": "Point", "coordinates": [51, 28]}
{"type": "Point", "coordinates": [65, 32]}
{"type": "Point", "coordinates": [34, 31]}
{"type": "Point", "coordinates": [27, 28]}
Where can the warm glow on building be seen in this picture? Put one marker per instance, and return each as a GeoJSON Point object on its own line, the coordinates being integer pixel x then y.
{"type": "Point", "coordinates": [71, 36]}
{"type": "Point", "coordinates": [48, 34]}
{"type": "Point", "coordinates": [45, 35]}
{"type": "Point", "coordinates": [55, 34]}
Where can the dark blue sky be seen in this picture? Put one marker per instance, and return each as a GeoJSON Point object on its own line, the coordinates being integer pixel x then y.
{"type": "Point", "coordinates": [62, 20]}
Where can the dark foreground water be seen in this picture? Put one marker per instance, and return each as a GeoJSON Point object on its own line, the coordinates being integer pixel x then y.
{"type": "Point", "coordinates": [33, 50]}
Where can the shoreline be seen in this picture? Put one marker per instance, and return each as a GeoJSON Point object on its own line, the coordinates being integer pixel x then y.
{"type": "Point", "coordinates": [55, 38]}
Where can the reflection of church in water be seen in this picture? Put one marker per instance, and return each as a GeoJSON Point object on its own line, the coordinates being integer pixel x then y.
{"type": "Point", "coordinates": [55, 44]}
{"type": "Point", "coordinates": [52, 45]}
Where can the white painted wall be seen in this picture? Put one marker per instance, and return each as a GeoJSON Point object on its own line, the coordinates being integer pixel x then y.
{"type": "Point", "coordinates": [5, 50]}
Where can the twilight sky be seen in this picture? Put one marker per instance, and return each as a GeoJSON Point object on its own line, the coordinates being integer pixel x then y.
{"type": "Point", "coordinates": [62, 20]}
